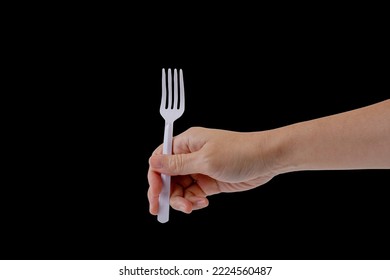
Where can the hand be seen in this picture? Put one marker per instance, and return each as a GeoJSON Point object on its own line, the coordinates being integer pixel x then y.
{"type": "Point", "coordinates": [206, 162]}
{"type": "Point", "coordinates": [210, 161]}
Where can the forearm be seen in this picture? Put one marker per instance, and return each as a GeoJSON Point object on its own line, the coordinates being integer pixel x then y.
{"type": "Point", "coordinates": [357, 139]}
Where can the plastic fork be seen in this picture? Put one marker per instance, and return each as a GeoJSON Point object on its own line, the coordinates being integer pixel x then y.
{"type": "Point", "coordinates": [171, 108]}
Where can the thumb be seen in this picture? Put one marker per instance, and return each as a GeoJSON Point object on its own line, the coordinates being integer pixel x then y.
{"type": "Point", "coordinates": [180, 164]}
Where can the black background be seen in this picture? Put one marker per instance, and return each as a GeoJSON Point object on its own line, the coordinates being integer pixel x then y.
{"type": "Point", "coordinates": [84, 118]}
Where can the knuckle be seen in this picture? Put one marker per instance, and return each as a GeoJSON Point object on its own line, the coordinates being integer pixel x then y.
{"type": "Point", "coordinates": [175, 163]}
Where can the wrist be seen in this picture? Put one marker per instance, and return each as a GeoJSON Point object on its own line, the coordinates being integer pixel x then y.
{"type": "Point", "coordinates": [278, 150]}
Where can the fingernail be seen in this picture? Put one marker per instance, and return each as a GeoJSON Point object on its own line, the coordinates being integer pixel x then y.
{"type": "Point", "coordinates": [200, 202]}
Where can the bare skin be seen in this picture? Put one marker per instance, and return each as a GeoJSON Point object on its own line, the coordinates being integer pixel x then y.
{"type": "Point", "coordinates": [210, 161]}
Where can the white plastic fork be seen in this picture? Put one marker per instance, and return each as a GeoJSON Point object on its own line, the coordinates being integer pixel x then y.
{"type": "Point", "coordinates": [171, 108]}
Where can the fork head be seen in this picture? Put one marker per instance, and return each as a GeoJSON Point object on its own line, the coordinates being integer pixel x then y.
{"type": "Point", "coordinates": [172, 103]}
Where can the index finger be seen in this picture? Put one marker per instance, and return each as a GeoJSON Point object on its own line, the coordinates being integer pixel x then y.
{"type": "Point", "coordinates": [155, 187]}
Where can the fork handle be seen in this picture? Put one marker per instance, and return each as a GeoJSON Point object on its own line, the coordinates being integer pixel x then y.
{"type": "Point", "coordinates": [163, 208]}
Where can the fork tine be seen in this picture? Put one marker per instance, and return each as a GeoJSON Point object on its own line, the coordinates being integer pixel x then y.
{"type": "Point", "coordinates": [181, 90]}
{"type": "Point", "coordinates": [175, 94]}
{"type": "Point", "coordinates": [164, 90]}
{"type": "Point", "coordinates": [169, 88]}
